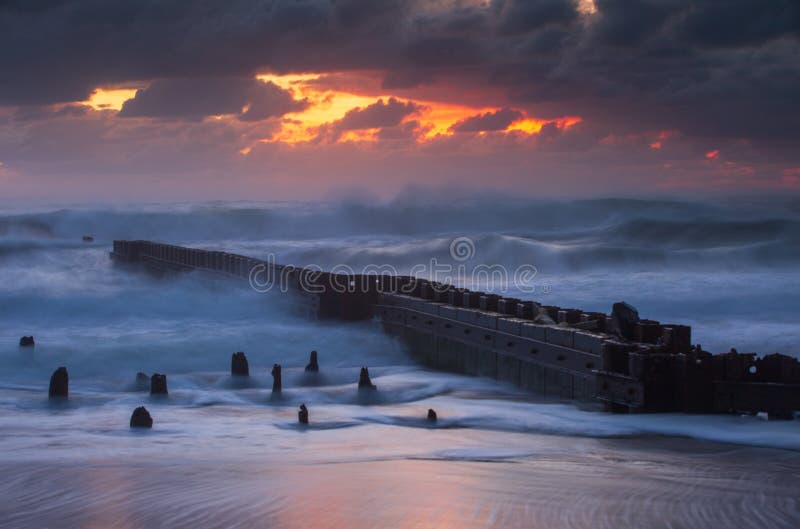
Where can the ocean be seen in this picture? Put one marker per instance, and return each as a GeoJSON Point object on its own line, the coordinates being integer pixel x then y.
{"type": "Point", "coordinates": [223, 453]}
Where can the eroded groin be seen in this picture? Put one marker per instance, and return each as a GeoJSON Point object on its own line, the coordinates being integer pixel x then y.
{"type": "Point", "coordinates": [625, 362]}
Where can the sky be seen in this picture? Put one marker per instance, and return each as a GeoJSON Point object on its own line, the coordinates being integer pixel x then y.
{"type": "Point", "coordinates": [308, 99]}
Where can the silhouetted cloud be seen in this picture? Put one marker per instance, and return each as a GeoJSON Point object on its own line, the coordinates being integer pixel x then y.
{"type": "Point", "coordinates": [379, 115]}
{"type": "Point", "coordinates": [195, 98]}
{"type": "Point", "coordinates": [489, 121]}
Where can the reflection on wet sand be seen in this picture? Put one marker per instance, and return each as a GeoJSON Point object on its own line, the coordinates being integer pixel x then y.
{"type": "Point", "coordinates": [585, 483]}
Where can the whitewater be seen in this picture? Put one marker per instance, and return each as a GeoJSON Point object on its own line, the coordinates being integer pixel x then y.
{"type": "Point", "coordinates": [224, 454]}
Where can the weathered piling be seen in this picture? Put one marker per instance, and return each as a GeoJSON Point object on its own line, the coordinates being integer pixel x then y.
{"type": "Point", "coordinates": [140, 418]}
{"type": "Point", "coordinates": [158, 384]}
{"type": "Point", "coordinates": [142, 382]}
{"type": "Point", "coordinates": [239, 365]}
{"type": "Point", "coordinates": [59, 384]}
{"type": "Point", "coordinates": [312, 365]}
{"type": "Point", "coordinates": [625, 319]}
{"type": "Point", "coordinates": [364, 382]}
{"type": "Point", "coordinates": [508, 306]}
{"type": "Point", "coordinates": [276, 378]}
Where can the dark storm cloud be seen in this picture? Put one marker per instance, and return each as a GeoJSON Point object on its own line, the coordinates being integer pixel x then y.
{"type": "Point", "coordinates": [741, 22]}
{"type": "Point", "coordinates": [489, 121]}
{"type": "Point", "coordinates": [444, 52]}
{"type": "Point", "coordinates": [711, 67]}
{"type": "Point", "coordinates": [706, 23]}
{"type": "Point", "coordinates": [626, 23]}
{"type": "Point", "coordinates": [407, 78]}
{"type": "Point", "coordinates": [523, 16]}
{"type": "Point", "coordinates": [195, 98]}
{"type": "Point", "coordinates": [368, 15]}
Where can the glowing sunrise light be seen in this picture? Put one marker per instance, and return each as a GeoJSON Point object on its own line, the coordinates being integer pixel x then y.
{"type": "Point", "coordinates": [327, 105]}
{"type": "Point", "coordinates": [712, 155]}
{"type": "Point", "coordinates": [109, 99]}
{"type": "Point", "coordinates": [587, 7]}
{"type": "Point", "coordinates": [440, 117]}
{"type": "Point", "coordinates": [360, 135]}
{"type": "Point", "coordinates": [534, 126]}
{"type": "Point", "coordinates": [290, 81]}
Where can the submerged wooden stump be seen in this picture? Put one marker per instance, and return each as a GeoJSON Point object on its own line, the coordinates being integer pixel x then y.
{"type": "Point", "coordinates": [239, 365]}
{"type": "Point", "coordinates": [313, 366]}
{"type": "Point", "coordinates": [276, 378]}
{"type": "Point", "coordinates": [140, 418]}
{"type": "Point", "coordinates": [364, 382]}
{"type": "Point", "coordinates": [59, 383]}
{"type": "Point", "coordinates": [158, 384]}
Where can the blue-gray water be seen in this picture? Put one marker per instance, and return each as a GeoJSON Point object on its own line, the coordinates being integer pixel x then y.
{"type": "Point", "coordinates": [225, 455]}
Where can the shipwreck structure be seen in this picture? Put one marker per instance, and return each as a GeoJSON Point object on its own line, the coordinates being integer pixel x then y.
{"type": "Point", "coordinates": [627, 363]}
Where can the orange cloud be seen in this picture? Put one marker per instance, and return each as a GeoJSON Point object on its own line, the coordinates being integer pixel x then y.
{"type": "Point", "coordinates": [534, 126]}
{"type": "Point", "coordinates": [109, 98]}
{"type": "Point", "coordinates": [432, 119]}
{"type": "Point", "coordinates": [587, 7]}
{"type": "Point", "coordinates": [333, 97]}
{"type": "Point", "coordinates": [712, 155]}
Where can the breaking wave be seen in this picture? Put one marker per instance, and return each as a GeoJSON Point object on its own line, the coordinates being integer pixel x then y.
{"type": "Point", "coordinates": [574, 235]}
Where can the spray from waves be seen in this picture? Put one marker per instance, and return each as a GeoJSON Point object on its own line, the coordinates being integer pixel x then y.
{"type": "Point", "coordinates": [705, 264]}
{"type": "Point", "coordinates": [573, 235]}
{"type": "Point", "coordinates": [106, 323]}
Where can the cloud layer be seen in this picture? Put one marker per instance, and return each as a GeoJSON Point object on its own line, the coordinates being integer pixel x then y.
{"type": "Point", "coordinates": [656, 85]}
